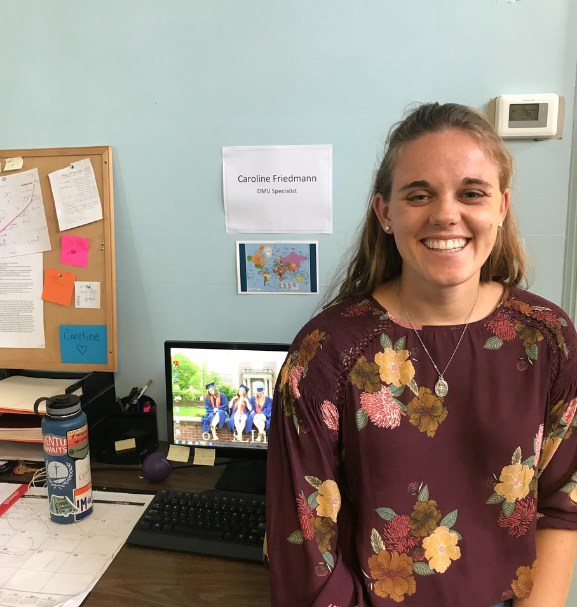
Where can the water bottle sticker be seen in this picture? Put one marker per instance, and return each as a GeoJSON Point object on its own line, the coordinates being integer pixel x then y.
{"type": "Point", "coordinates": [83, 500]}
{"type": "Point", "coordinates": [78, 442]}
{"type": "Point", "coordinates": [54, 445]}
{"type": "Point", "coordinates": [83, 471]}
{"type": "Point", "coordinates": [60, 505]}
{"type": "Point", "coordinates": [59, 473]}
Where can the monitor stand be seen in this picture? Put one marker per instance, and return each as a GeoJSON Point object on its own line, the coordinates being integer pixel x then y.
{"type": "Point", "coordinates": [244, 476]}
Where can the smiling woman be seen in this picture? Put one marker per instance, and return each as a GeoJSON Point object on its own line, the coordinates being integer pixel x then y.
{"type": "Point", "coordinates": [431, 394]}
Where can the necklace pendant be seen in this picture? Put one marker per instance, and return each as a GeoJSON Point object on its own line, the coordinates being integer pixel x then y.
{"type": "Point", "coordinates": [441, 387]}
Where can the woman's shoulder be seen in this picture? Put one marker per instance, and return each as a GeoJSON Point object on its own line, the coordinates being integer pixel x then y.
{"type": "Point", "coordinates": [544, 315]}
{"type": "Point", "coordinates": [535, 306]}
{"type": "Point", "coordinates": [343, 322]}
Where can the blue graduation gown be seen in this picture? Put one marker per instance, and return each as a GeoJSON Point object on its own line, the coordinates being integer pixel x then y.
{"type": "Point", "coordinates": [221, 412]}
{"type": "Point", "coordinates": [231, 420]}
{"type": "Point", "coordinates": [266, 411]}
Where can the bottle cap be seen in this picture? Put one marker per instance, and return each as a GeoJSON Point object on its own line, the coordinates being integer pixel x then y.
{"type": "Point", "coordinates": [63, 405]}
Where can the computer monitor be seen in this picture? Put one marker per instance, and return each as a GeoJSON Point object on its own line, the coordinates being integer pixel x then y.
{"type": "Point", "coordinates": [219, 396]}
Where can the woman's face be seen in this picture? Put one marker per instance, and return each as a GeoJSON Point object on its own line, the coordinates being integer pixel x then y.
{"type": "Point", "coordinates": [445, 207]}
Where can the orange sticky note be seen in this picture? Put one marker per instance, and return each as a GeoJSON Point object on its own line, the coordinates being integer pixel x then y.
{"type": "Point", "coordinates": [58, 287]}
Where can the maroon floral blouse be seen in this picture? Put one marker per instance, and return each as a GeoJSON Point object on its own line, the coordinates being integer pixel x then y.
{"type": "Point", "coordinates": [379, 491]}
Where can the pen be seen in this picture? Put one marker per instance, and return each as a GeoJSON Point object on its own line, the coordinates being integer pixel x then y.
{"type": "Point", "coordinates": [137, 395]}
{"type": "Point", "coordinates": [144, 389]}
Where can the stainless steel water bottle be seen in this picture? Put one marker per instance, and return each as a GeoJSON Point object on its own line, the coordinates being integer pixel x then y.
{"type": "Point", "coordinates": [65, 438]}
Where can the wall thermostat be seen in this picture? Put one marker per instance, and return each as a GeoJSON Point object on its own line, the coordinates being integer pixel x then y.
{"type": "Point", "coordinates": [537, 116]}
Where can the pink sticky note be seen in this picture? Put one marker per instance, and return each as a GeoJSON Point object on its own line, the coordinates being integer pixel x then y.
{"type": "Point", "coordinates": [74, 251]}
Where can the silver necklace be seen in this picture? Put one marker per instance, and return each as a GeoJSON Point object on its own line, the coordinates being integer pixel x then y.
{"type": "Point", "coordinates": [441, 387]}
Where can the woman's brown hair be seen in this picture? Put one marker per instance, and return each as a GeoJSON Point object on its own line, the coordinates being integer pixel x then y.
{"type": "Point", "coordinates": [375, 257]}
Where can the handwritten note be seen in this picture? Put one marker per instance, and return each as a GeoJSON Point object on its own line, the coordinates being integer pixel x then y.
{"type": "Point", "coordinates": [178, 453]}
{"type": "Point", "coordinates": [76, 195]}
{"type": "Point", "coordinates": [204, 457]}
{"type": "Point", "coordinates": [87, 294]}
{"type": "Point", "coordinates": [83, 344]}
{"type": "Point", "coordinates": [58, 287]}
{"type": "Point", "coordinates": [13, 164]}
{"type": "Point", "coordinates": [74, 251]}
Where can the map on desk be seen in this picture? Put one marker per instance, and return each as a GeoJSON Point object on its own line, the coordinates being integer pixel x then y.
{"type": "Point", "coordinates": [45, 564]}
{"type": "Point", "coordinates": [277, 267]}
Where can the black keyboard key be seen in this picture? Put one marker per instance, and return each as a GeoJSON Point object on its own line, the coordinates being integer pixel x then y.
{"type": "Point", "coordinates": [156, 527]}
{"type": "Point", "coordinates": [261, 526]}
{"type": "Point", "coordinates": [166, 528]}
{"type": "Point", "coordinates": [153, 519]}
{"type": "Point", "coordinates": [240, 537]}
{"type": "Point", "coordinates": [143, 526]}
{"type": "Point", "coordinates": [252, 539]}
{"type": "Point", "coordinates": [229, 537]}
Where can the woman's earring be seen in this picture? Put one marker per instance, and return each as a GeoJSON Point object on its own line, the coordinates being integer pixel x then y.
{"type": "Point", "coordinates": [387, 228]}
{"type": "Point", "coordinates": [501, 225]}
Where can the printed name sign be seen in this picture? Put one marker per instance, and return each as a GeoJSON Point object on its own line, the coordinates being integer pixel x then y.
{"type": "Point", "coordinates": [84, 344]}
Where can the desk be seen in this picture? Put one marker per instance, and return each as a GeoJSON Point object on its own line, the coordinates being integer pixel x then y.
{"type": "Point", "coordinates": [143, 577]}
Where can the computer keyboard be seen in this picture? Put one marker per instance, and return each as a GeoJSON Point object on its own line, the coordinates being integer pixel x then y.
{"type": "Point", "coordinates": [218, 523]}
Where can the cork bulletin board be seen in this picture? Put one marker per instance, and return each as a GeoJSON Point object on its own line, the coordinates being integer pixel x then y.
{"type": "Point", "coordinates": [100, 267]}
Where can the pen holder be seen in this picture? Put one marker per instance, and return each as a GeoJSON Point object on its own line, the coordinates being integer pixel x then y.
{"type": "Point", "coordinates": [122, 425]}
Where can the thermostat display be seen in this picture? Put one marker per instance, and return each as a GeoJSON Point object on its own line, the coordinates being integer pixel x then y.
{"type": "Point", "coordinates": [523, 111]}
{"type": "Point", "coordinates": [527, 116]}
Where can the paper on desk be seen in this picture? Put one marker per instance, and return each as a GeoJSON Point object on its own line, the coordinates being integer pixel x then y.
{"type": "Point", "coordinates": [21, 305]}
{"type": "Point", "coordinates": [178, 453]}
{"type": "Point", "coordinates": [76, 195]}
{"type": "Point", "coordinates": [19, 393]}
{"type": "Point", "coordinates": [76, 601]}
{"type": "Point", "coordinates": [87, 294]}
{"type": "Point", "coordinates": [44, 564]}
{"type": "Point", "coordinates": [204, 457]}
{"type": "Point", "coordinates": [13, 164]}
{"type": "Point", "coordinates": [23, 226]}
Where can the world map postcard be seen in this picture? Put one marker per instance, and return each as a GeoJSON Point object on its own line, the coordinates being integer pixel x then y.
{"type": "Point", "coordinates": [282, 267]}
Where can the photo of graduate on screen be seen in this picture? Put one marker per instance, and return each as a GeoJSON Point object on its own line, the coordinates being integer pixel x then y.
{"type": "Point", "coordinates": [260, 415]}
{"type": "Point", "coordinates": [239, 410]}
{"type": "Point", "coordinates": [216, 405]}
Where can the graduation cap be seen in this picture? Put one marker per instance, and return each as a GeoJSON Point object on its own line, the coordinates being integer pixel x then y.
{"type": "Point", "coordinates": [260, 389]}
{"type": "Point", "coordinates": [209, 386]}
{"type": "Point", "coordinates": [243, 387]}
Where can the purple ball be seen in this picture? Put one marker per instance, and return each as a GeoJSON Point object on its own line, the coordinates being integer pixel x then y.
{"type": "Point", "coordinates": [156, 467]}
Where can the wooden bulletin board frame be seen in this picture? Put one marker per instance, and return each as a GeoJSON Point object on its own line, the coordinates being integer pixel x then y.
{"type": "Point", "coordinates": [100, 266]}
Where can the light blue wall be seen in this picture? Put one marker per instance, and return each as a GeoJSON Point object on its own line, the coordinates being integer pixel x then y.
{"type": "Point", "coordinates": [168, 83]}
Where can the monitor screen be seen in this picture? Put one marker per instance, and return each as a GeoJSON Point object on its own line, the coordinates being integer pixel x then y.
{"type": "Point", "coordinates": [220, 394]}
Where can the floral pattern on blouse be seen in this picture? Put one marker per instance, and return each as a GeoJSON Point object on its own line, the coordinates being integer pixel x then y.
{"type": "Point", "coordinates": [379, 403]}
{"type": "Point", "coordinates": [360, 308]}
{"type": "Point", "coordinates": [522, 586]}
{"type": "Point", "coordinates": [327, 502]}
{"type": "Point", "coordinates": [421, 544]}
{"type": "Point", "coordinates": [512, 491]}
{"type": "Point", "coordinates": [521, 477]}
{"type": "Point", "coordinates": [505, 327]}
{"type": "Point", "coordinates": [294, 370]}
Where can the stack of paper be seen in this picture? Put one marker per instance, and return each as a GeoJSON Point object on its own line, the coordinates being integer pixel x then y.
{"type": "Point", "coordinates": [17, 397]}
{"type": "Point", "coordinates": [20, 427]}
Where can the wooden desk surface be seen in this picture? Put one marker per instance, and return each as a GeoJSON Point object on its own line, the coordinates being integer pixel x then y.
{"type": "Point", "coordinates": [146, 577]}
